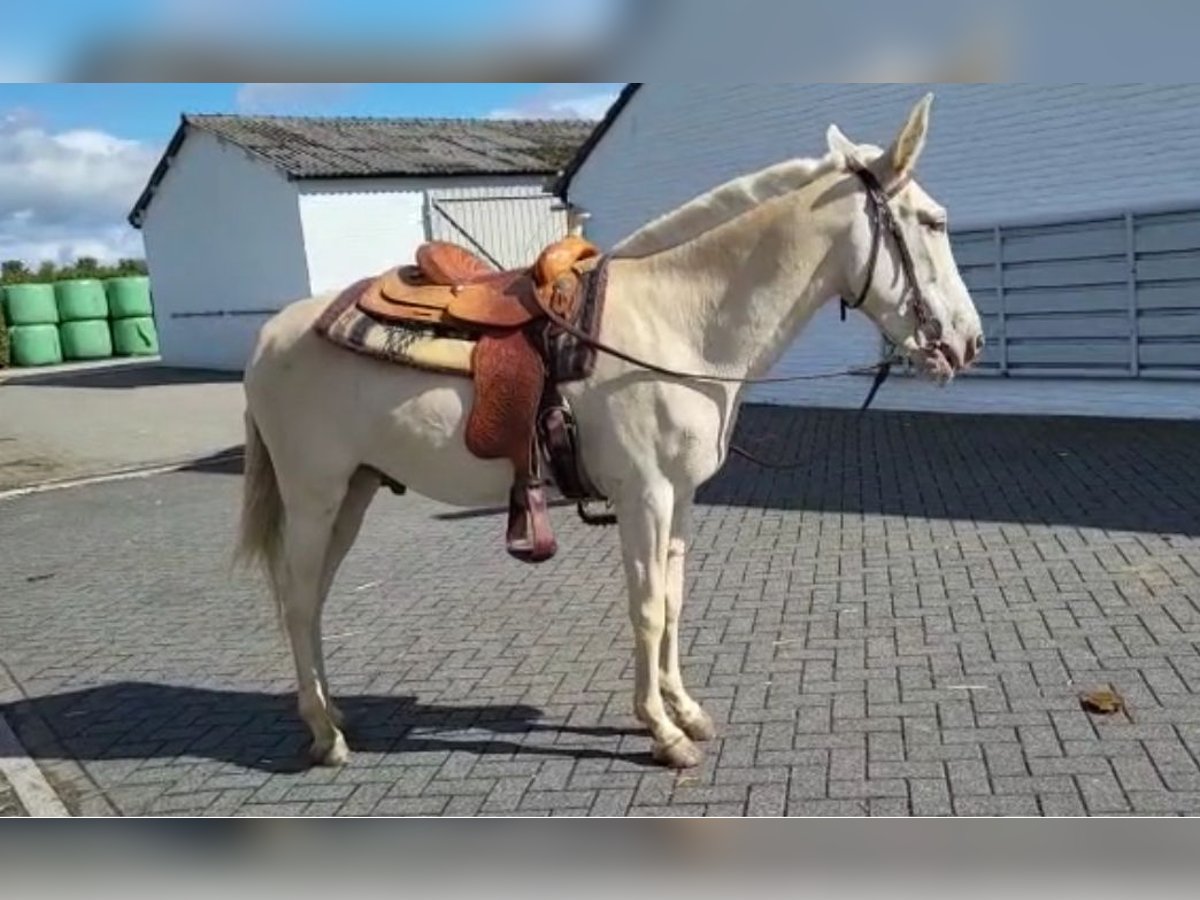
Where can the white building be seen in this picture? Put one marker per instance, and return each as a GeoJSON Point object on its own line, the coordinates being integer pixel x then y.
{"type": "Point", "coordinates": [1074, 210]}
{"type": "Point", "coordinates": [245, 214]}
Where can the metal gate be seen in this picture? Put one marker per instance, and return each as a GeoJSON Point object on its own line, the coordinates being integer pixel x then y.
{"type": "Point", "coordinates": [1115, 296]}
{"type": "Point", "coordinates": [507, 226]}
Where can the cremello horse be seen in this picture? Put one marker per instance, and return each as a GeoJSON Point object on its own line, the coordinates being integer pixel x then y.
{"type": "Point", "coordinates": [720, 287]}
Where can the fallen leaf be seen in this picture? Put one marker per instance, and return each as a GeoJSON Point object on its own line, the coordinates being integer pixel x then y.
{"type": "Point", "coordinates": [1103, 702]}
{"type": "Point", "coordinates": [33, 579]}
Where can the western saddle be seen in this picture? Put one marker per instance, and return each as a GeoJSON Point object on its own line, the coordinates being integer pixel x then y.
{"type": "Point", "coordinates": [520, 357]}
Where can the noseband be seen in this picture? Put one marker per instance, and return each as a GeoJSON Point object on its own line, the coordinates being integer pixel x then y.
{"type": "Point", "coordinates": [928, 326]}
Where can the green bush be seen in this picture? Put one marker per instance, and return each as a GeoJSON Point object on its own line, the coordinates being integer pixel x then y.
{"type": "Point", "coordinates": [3, 340]}
{"type": "Point", "coordinates": [14, 271]}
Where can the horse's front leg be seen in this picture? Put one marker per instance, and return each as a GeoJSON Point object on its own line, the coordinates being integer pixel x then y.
{"type": "Point", "coordinates": [645, 525]}
{"type": "Point", "coordinates": [684, 711]}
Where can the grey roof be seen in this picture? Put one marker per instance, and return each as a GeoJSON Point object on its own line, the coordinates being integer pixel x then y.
{"type": "Point", "coordinates": [303, 147]}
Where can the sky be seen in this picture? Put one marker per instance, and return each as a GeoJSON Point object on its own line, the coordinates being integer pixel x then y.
{"type": "Point", "coordinates": [75, 157]}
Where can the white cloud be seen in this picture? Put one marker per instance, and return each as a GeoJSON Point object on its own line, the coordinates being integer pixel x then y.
{"type": "Point", "coordinates": [66, 194]}
{"type": "Point", "coordinates": [561, 102]}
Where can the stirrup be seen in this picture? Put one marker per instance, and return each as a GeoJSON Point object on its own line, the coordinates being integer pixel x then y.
{"type": "Point", "coordinates": [529, 537]}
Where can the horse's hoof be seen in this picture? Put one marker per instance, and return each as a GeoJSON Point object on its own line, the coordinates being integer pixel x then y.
{"type": "Point", "coordinates": [699, 727]}
{"type": "Point", "coordinates": [334, 755]}
{"type": "Point", "coordinates": [680, 754]}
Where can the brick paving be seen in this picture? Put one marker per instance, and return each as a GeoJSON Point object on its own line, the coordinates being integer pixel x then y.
{"type": "Point", "coordinates": [10, 805]}
{"type": "Point", "coordinates": [903, 628]}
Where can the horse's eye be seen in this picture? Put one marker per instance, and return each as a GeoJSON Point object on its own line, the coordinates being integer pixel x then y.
{"type": "Point", "coordinates": [936, 225]}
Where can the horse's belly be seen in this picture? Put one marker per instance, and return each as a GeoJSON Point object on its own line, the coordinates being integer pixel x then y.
{"type": "Point", "coordinates": [420, 444]}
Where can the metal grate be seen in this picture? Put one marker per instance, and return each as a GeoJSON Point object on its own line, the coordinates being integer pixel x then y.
{"type": "Point", "coordinates": [509, 228]}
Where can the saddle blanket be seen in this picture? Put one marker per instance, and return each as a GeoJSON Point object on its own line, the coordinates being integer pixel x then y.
{"type": "Point", "coordinates": [421, 347]}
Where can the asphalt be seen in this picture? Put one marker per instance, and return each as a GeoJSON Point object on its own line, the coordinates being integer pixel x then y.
{"type": "Point", "coordinates": [81, 421]}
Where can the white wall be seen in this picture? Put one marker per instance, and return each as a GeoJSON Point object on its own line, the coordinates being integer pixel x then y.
{"type": "Point", "coordinates": [222, 235]}
{"type": "Point", "coordinates": [359, 227]}
{"type": "Point", "coordinates": [997, 153]}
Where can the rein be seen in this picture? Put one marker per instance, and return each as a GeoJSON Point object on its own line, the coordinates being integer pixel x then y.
{"type": "Point", "coordinates": [928, 326]}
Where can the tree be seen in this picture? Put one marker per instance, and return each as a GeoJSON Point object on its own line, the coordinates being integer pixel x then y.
{"type": "Point", "coordinates": [131, 267]}
{"type": "Point", "coordinates": [87, 267]}
{"type": "Point", "coordinates": [13, 271]}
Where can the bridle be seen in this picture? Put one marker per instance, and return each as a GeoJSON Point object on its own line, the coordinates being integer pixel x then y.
{"type": "Point", "coordinates": [880, 212]}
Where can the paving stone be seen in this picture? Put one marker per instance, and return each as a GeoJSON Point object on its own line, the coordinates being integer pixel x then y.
{"type": "Point", "coordinates": [930, 797]}
{"type": "Point", "coordinates": [900, 632]}
{"type": "Point", "coordinates": [996, 806]}
{"type": "Point", "coordinates": [767, 800]}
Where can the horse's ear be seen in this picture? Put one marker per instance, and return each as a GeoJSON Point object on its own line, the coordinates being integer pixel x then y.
{"type": "Point", "coordinates": [903, 155]}
{"type": "Point", "coordinates": [843, 146]}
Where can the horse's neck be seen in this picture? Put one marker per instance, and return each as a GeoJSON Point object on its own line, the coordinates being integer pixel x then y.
{"type": "Point", "coordinates": [737, 296]}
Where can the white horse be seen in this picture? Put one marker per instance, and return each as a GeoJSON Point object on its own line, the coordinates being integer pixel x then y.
{"type": "Point", "coordinates": [719, 287]}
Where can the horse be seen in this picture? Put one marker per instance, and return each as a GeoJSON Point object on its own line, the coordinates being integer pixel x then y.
{"type": "Point", "coordinates": [715, 291]}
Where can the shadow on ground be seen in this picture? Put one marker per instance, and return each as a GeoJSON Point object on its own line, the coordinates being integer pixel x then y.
{"type": "Point", "coordinates": [224, 462]}
{"type": "Point", "coordinates": [144, 721]}
{"type": "Point", "coordinates": [1111, 474]}
{"type": "Point", "coordinates": [123, 377]}
{"type": "Point", "coordinates": [1090, 473]}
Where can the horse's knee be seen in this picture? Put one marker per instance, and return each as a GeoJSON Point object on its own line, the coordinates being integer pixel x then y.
{"type": "Point", "coordinates": [648, 618]}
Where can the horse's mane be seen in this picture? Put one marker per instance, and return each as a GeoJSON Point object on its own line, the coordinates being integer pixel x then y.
{"type": "Point", "coordinates": [722, 204]}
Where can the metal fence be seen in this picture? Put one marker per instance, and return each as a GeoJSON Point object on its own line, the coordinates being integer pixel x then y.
{"type": "Point", "coordinates": [1113, 296]}
{"type": "Point", "coordinates": [508, 226]}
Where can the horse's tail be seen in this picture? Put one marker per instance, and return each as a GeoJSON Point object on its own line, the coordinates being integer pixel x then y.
{"type": "Point", "coordinates": [261, 534]}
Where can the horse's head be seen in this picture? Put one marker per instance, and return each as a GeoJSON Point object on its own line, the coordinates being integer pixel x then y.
{"type": "Point", "coordinates": [898, 266]}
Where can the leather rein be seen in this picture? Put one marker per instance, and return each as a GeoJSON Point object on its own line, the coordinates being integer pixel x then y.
{"type": "Point", "coordinates": [928, 326]}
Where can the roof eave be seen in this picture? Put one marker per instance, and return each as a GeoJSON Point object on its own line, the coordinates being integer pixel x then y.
{"type": "Point", "coordinates": [563, 182]}
{"type": "Point", "coordinates": [452, 173]}
{"type": "Point", "coordinates": [137, 214]}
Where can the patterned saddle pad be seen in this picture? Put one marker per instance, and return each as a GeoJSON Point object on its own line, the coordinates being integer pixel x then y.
{"type": "Point", "coordinates": [421, 347]}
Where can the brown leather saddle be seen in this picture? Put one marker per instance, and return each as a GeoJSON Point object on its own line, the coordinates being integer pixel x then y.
{"type": "Point", "coordinates": [519, 359]}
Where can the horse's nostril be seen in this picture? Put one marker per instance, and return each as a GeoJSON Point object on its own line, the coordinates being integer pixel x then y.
{"type": "Point", "coordinates": [973, 348]}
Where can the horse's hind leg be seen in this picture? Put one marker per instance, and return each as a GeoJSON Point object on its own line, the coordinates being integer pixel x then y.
{"type": "Point", "coordinates": [307, 534]}
{"type": "Point", "coordinates": [361, 492]}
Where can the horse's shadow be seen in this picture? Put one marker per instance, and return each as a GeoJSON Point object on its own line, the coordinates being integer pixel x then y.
{"type": "Point", "coordinates": [142, 721]}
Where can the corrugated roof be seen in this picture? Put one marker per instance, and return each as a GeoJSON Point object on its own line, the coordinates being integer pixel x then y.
{"type": "Point", "coordinates": [306, 147]}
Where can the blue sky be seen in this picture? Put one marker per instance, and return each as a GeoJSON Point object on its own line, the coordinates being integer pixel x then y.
{"type": "Point", "coordinates": [74, 157]}
{"type": "Point", "coordinates": [150, 112]}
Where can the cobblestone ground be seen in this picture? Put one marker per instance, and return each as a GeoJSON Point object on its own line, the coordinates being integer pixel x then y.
{"type": "Point", "coordinates": [903, 628]}
{"type": "Point", "coordinates": [9, 804]}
